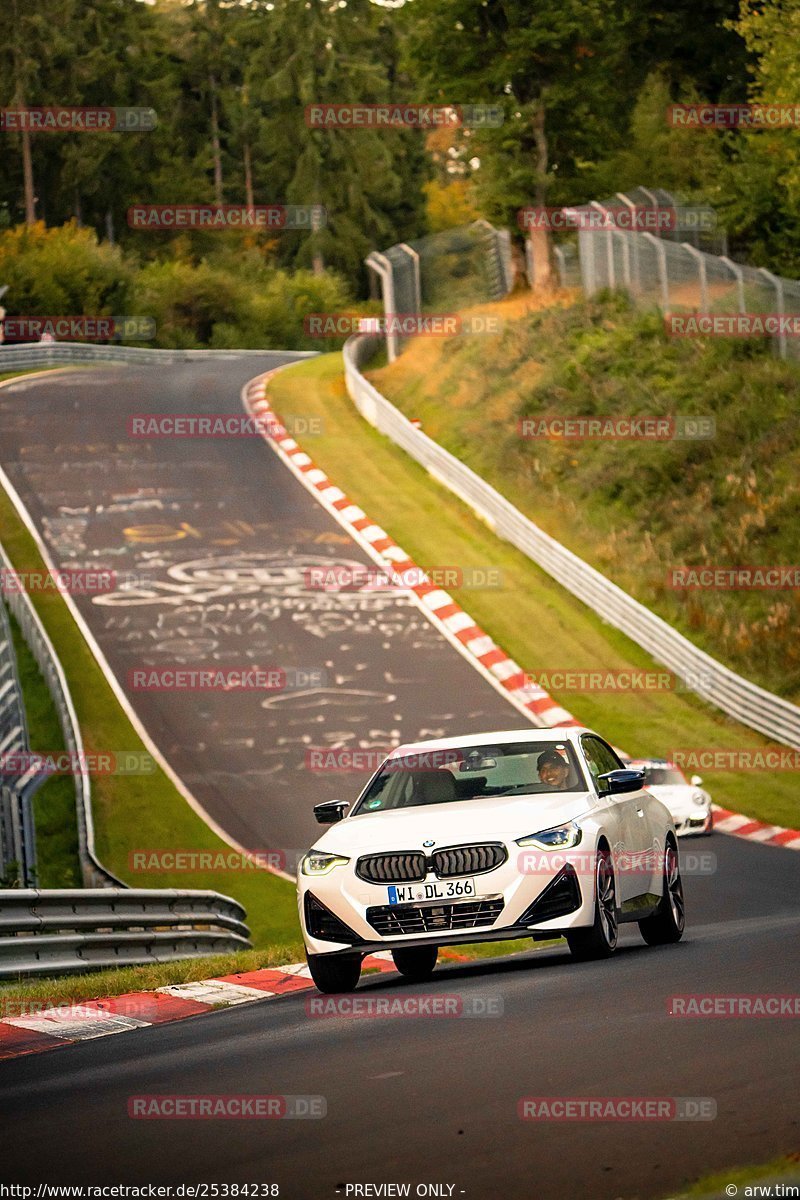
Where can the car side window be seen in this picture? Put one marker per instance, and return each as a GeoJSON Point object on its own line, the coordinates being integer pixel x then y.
{"type": "Point", "coordinates": [600, 757]}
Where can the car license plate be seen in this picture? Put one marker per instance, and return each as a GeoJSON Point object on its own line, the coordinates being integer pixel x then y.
{"type": "Point", "coordinates": [446, 889]}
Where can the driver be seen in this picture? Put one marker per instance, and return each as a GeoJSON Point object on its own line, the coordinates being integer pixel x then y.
{"type": "Point", "coordinates": [553, 771]}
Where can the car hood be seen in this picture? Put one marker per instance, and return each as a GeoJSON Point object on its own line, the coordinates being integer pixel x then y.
{"type": "Point", "coordinates": [464, 821]}
{"type": "Point", "coordinates": [679, 799]}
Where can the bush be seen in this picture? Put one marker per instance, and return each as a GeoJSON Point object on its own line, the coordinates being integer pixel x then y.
{"type": "Point", "coordinates": [62, 272]}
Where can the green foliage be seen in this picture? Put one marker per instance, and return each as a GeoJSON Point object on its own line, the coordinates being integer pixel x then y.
{"type": "Point", "coordinates": [635, 509]}
{"type": "Point", "coordinates": [231, 299]}
{"type": "Point", "coordinates": [63, 271]}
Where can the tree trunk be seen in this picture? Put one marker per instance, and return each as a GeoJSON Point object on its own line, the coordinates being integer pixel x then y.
{"type": "Point", "coordinates": [27, 175]}
{"type": "Point", "coordinates": [248, 176]}
{"type": "Point", "coordinates": [540, 236]}
{"type": "Point", "coordinates": [216, 149]}
{"type": "Point", "coordinates": [110, 226]}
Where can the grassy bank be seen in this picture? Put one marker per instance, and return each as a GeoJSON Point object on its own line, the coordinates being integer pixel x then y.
{"type": "Point", "coordinates": [634, 509]}
{"type": "Point", "coordinates": [529, 615]}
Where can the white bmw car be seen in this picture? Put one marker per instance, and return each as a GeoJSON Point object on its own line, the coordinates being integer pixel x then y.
{"type": "Point", "coordinates": [689, 804]}
{"type": "Point", "coordinates": [526, 833]}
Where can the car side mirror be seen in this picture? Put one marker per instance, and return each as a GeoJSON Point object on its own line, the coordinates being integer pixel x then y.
{"type": "Point", "coordinates": [696, 780]}
{"type": "Point", "coordinates": [623, 780]}
{"type": "Point", "coordinates": [331, 811]}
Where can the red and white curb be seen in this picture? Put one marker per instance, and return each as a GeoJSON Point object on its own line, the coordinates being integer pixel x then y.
{"type": "Point", "coordinates": [65, 1024]}
{"type": "Point", "coordinates": [755, 831]}
{"type": "Point", "coordinates": [457, 625]}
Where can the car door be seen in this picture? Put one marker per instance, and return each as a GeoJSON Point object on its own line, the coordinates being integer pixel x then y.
{"type": "Point", "coordinates": [626, 817]}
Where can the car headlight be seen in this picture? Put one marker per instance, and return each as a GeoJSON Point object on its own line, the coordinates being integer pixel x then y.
{"type": "Point", "coordinates": [562, 837]}
{"type": "Point", "coordinates": [317, 862]}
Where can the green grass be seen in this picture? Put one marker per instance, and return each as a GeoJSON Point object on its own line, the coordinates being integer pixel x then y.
{"type": "Point", "coordinates": [537, 622]}
{"type": "Point", "coordinates": [635, 510]}
{"type": "Point", "coordinates": [779, 1170]}
{"type": "Point", "coordinates": [54, 803]}
{"type": "Point", "coordinates": [70, 989]}
{"type": "Point", "coordinates": [131, 812]}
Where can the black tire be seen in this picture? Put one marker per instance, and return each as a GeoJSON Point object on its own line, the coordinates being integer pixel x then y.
{"type": "Point", "coordinates": [600, 939]}
{"type": "Point", "coordinates": [667, 924]}
{"type": "Point", "coordinates": [416, 962]}
{"type": "Point", "coordinates": [333, 974]}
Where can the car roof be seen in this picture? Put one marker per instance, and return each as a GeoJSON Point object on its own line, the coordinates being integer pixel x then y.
{"type": "Point", "coordinates": [494, 737]}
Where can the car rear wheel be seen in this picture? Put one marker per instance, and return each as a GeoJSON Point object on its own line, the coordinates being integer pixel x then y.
{"type": "Point", "coordinates": [667, 924]}
{"type": "Point", "coordinates": [416, 962]}
{"type": "Point", "coordinates": [600, 939]}
{"type": "Point", "coordinates": [333, 974]}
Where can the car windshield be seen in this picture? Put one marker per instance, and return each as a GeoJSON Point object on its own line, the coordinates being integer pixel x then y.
{"type": "Point", "coordinates": [663, 777]}
{"type": "Point", "coordinates": [473, 773]}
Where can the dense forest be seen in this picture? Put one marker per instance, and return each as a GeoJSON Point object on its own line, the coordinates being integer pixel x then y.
{"type": "Point", "coordinates": [582, 86]}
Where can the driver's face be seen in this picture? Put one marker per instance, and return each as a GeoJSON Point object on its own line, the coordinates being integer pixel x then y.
{"type": "Point", "coordinates": [554, 774]}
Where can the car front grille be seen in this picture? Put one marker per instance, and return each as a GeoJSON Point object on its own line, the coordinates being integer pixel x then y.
{"type": "Point", "coordinates": [411, 866]}
{"type": "Point", "coordinates": [406, 867]}
{"type": "Point", "coordinates": [468, 860]}
{"type": "Point", "coordinates": [391, 919]}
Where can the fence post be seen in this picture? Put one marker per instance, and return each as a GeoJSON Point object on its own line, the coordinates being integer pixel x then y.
{"type": "Point", "coordinates": [632, 243]}
{"type": "Point", "coordinates": [417, 277]}
{"type": "Point", "coordinates": [738, 275]}
{"type": "Point", "coordinates": [530, 263]}
{"type": "Point", "coordinates": [702, 273]}
{"type": "Point", "coordinates": [777, 283]}
{"type": "Point", "coordinates": [609, 247]}
{"type": "Point", "coordinates": [662, 268]}
{"type": "Point", "coordinates": [562, 265]}
{"type": "Point", "coordinates": [380, 264]}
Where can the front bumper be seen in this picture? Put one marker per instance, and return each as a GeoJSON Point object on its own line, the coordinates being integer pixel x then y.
{"type": "Point", "coordinates": [509, 904]}
{"type": "Point", "coordinates": [694, 826]}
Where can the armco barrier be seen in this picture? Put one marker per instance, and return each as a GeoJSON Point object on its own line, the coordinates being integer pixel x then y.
{"type": "Point", "coordinates": [736, 696]}
{"type": "Point", "coordinates": [40, 646]}
{"type": "Point", "coordinates": [17, 836]}
{"type": "Point", "coordinates": [60, 931]}
{"type": "Point", "coordinates": [58, 354]}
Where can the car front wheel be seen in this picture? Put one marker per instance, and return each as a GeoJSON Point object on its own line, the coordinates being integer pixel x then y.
{"type": "Point", "coordinates": [333, 974]}
{"type": "Point", "coordinates": [416, 962]}
{"type": "Point", "coordinates": [600, 939]}
{"type": "Point", "coordinates": [667, 924]}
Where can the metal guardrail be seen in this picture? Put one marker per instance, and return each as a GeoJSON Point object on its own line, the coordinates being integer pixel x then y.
{"type": "Point", "coordinates": [61, 931]}
{"type": "Point", "coordinates": [92, 870]}
{"type": "Point", "coordinates": [17, 833]}
{"type": "Point", "coordinates": [57, 354]}
{"type": "Point", "coordinates": [738, 697]}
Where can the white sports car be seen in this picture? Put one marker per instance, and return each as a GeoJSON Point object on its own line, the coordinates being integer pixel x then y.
{"type": "Point", "coordinates": [689, 804]}
{"type": "Point", "coordinates": [527, 833]}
